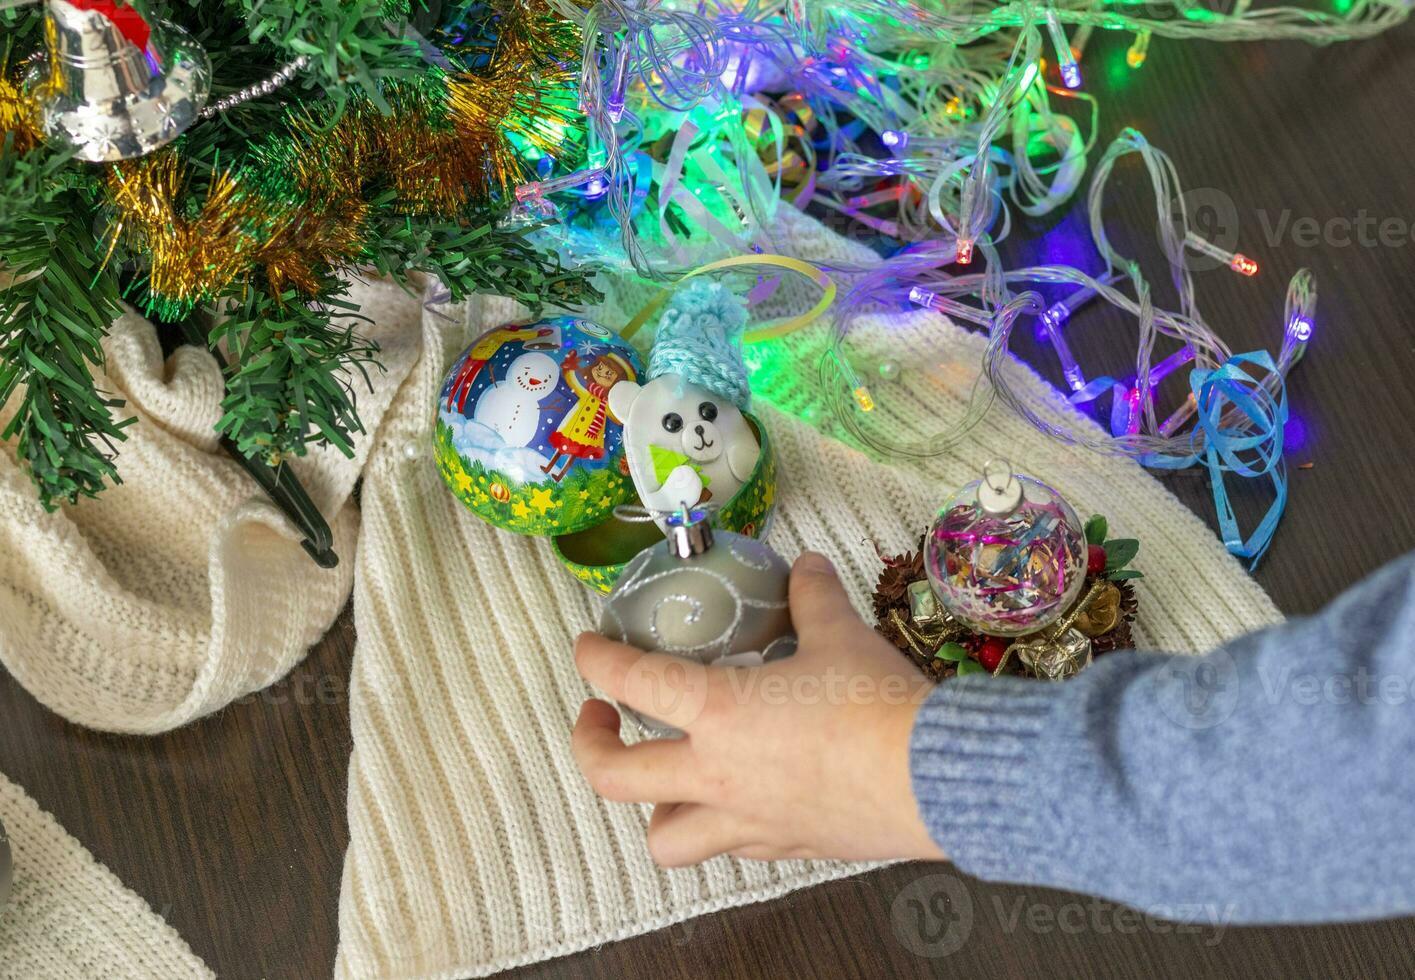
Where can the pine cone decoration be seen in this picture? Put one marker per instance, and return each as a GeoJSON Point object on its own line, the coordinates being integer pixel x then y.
{"type": "Point", "coordinates": [892, 596]}
{"type": "Point", "coordinates": [1123, 636]}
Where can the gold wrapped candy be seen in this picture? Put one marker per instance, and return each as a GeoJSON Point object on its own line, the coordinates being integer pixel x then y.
{"type": "Point", "coordinates": [1059, 651]}
{"type": "Point", "coordinates": [1053, 658]}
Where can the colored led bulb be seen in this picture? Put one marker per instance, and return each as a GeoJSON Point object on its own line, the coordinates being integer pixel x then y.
{"type": "Point", "coordinates": [1300, 328]}
{"type": "Point", "coordinates": [615, 104]}
{"type": "Point", "coordinates": [1055, 315]}
{"type": "Point", "coordinates": [920, 296]}
{"type": "Point", "coordinates": [1244, 265]}
{"type": "Point", "coordinates": [1236, 261]}
{"type": "Point", "coordinates": [858, 390]}
{"type": "Point", "coordinates": [1065, 59]}
{"type": "Point", "coordinates": [535, 192]}
{"type": "Point", "coordinates": [931, 300]}
{"type": "Point", "coordinates": [1139, 50]}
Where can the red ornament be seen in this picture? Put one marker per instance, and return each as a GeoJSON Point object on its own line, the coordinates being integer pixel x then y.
{"type": "Point", "coordinates": [991, 651]}
{"type": "Point", "coordinates": [128, 21]}
{"type": "Point", "coordinates": [1095, 559]}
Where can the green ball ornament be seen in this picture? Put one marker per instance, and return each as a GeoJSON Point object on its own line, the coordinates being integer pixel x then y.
{"type": "Point", "coordinates": [711, 597]}
{"type": "Point", "coordinates": [525, 434]}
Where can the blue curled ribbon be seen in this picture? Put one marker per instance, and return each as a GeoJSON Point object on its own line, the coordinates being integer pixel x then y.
{"type": "Point", "coordinates": [1250, 448]}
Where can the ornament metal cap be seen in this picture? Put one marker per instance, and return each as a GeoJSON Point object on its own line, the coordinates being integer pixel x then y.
{"type": "Point", "coordinates": [999, 491]}
{"type": "Point", "coordinates": [116, 87]}
{"type": "Point", "coordinates": [689, 532]}
{"type": "Point", "coordinates": [688, 529]}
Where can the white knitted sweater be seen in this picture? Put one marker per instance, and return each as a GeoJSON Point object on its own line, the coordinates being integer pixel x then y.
{"type": "Point", "coordinates": [69, 917]}
{"type": "Point", "coordinates": [475, 843]}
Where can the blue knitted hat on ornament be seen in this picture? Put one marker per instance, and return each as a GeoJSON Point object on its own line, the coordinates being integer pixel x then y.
{"type": "Point", "coordinates": [700, 339]}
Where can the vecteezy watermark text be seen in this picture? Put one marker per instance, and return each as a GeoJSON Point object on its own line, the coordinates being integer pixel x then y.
{"type": "Point", "coordinates": [1214, 215]}
{"type": "Point", "coordinates": [1363, 230]}
{"type": "Point", "coordinates": [934, 916]}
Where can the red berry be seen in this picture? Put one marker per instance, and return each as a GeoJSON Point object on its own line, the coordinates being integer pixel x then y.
{"type": "Point", "coordinates": [991, 651]}
{"type": "Point", "coordinates": [1095, 559]}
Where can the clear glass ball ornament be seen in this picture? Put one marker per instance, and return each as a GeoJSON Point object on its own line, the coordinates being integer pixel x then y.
{"type": "Point", "coordinates": [1006, 554]}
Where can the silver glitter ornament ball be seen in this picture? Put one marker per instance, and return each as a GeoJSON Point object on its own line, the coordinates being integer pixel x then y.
{"type": "Point", "coordinates": [710, 596]}
{"type": "Point", "coordinates": [116, 87]}
{"type": "Point", "coordinates": [7, 868]}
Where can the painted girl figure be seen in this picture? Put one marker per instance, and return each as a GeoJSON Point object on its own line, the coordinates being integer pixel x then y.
{"type": "Point", "coordinates": [580, 434]}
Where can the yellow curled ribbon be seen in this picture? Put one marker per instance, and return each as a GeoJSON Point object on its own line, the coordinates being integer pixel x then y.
{"type": "Point", "coordinates": [780, 134]}
{"type": "Point", "coordinates": [766, 331]}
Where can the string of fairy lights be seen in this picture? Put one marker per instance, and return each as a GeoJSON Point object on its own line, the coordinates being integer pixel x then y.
{"type": "Point", "coordinates": [935, 124]}
{"type": "Point", "coordinates": [936, 127]}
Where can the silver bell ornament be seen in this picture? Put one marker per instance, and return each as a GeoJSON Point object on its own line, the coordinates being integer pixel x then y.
{"type": "Point", "coordinates": [706, 595]}
{"type": "Point", "coordinates": [116, 86]}
{"type": "Point", "coordinates": [1007, 554]}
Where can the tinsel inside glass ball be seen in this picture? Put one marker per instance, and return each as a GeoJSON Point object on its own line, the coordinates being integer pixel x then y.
{"type": "Point", "coordinates": [1006, 574]}
{"type": "Point", "coordinates": [726, 605]}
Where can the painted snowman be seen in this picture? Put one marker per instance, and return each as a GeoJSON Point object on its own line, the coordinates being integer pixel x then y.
{"type": "Point", "coordinates": [511, 406]}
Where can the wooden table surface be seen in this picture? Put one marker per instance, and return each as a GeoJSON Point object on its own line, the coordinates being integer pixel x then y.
{"type": "Point", "coordinates": [234, 828]}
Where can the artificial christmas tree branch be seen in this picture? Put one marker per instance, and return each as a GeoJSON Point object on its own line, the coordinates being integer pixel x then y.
{"type": "Point", "coordinates": [395, 147]}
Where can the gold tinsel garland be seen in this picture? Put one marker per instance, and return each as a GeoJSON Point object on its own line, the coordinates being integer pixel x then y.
{"type": "Point", "coordinates": [18, 119]}
{"type": "Point", "coordinates": [446, 145]}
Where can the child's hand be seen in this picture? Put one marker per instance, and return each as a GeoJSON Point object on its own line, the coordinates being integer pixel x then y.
{"type": "Point", "coordinates": [806, 757]}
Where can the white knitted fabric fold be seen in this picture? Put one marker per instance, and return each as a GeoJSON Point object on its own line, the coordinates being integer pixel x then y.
{"type": "Point", "coordinates": [475, 843]}
{"type": "Point", "coordinates": [182, 588]}
{"type": "Point", "coordinates": [69, 918]}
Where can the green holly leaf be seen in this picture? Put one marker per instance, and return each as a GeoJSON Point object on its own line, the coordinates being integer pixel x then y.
{"type": "Point", "coordinates": [1096, 529]}
{"type": "Point", "coordinates": [971, 667]}
{"type": "Point", "coordinates": [1125, 573]}
{"type": "Point", "coordinates": [1119, 552]}
{"type": "Point", "coordinates": [955, 652]}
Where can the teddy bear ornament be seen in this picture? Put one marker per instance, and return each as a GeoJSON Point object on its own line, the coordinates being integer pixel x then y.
{"type": "Point", "coordinates": [686, 437]}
